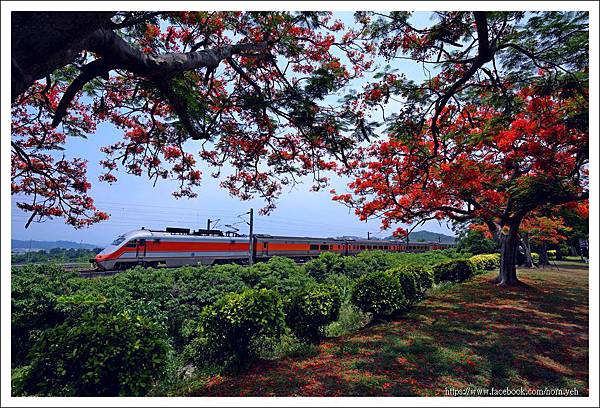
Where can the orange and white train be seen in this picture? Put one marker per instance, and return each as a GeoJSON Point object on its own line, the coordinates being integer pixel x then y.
{"type": "Point", "coordinates": [179, 247]}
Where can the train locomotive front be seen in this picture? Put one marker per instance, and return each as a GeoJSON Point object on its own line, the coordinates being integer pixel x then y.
{"type": "Point", "coordinates": [172, 248]}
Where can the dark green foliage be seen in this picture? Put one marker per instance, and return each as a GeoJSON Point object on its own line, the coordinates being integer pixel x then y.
{"type": "Point", "coordinates": [229, 326]}
{"type": "Point", "coordinates": [325, 264]}
{"type": "Point", "coordinates": [476, 243]}
{"type": "Point", "coordinates": [280, 274]}
{"type": "Point", "coordinates": [371, 261]}
{"type": "Point", "coordinates": [378, 260]}
{"type": "Point", "coordinates": [408, 281]}
{"type": "Point", "coordinates": [34, 289]}
{"type": "Point", "coordinates": [378, 293]}
{"type": "Point", "coordinates": [343, 283]}
{"type": "Point", "coordinates": [455, 270]}
{"type": "Point", "coordinates": [310, 309]}
{"type": "Point", "coordinates": [46, 297]}
{"type": "Point", "coordinates": [193, 289]}
{"type": "Point", "coordinates": [101, 355]}
{"type": "Point", "coordinates": [354, 266]}
{"type": "Point", "coordinates": [422, 277]}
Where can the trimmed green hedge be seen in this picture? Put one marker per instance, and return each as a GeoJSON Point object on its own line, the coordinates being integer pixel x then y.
{"type": "Point", "coordinates": [98, 355]}
{"type": "Point", "coordinates": [423, 279]}
{"type": "Point", "coordinates": [486, 262]}
{"type": "Point", "coordinates": [455, 270]}
{"type": "Point", "coordinates": [408, 281]}
{"type": "Point", "coordinates": [231, 324]}
{"type": "Point", "coordinates": [310, 309]}
{"type": "Point", "coordinates": [378, 293]}
{"type": "Point", "coordinates": [325, 264]}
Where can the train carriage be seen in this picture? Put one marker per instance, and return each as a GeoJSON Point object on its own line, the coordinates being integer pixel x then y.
{"type": "Point", "coordinates": [180, 247]}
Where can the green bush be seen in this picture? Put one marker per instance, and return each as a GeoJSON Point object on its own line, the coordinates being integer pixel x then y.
{"type": "Point", "coordinates": [18, 376]}
{"type": "Point", "coordinates": [34, 290]}
{"type": "Point", "coordinates": [422, 277]}
{"type": "Point", "coordinates": [535, 257]}
{"type": "Point", "coordinates": [350, 320]}
{"type": "Point", "coordinates": [551, 254]}
{"type": "Point", "coordinates": [280, 274]}
{"type": "Point", "coordinates": [476, 243]}
{"type": "Point", "coordinates": [343, 283]}
{"type": "Point", "coordinates": [325, 264]}
{"type": "Point", "coordinates": [309, 310]}
{"type": "Point", "coordinates": [229, 326]}
{"type": "Point", "coordinates": [378, 261]}
{"type": "Point", "coordinates": [101, 355]}
{"type": "Point", "coordinates": [378, 293]}
{"type": "Point", "coordinates": [354, 267]}
{"type": "Point", "coordinates": [455, 270]}
{"type": "Point", "coordinates": [195, 288]}
{"type": "Point", "coordinates": [408, 281]}
{"type": "Point", "coordinates": [486, 262]}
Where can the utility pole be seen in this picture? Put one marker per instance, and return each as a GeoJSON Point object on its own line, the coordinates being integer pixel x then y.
{"type": "Point", "coordinates": [251, 238]}
{"type": "Point", "coordinates": [208, 224]}
{"type": "Point", "coordinates": [368, 235]}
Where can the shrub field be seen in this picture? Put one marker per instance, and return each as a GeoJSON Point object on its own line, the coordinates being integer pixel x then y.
{"type": "Point", "coordinates": [155, 331]}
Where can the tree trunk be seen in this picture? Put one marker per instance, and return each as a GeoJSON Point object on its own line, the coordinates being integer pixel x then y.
{"type": "Point", "coordinates": [508, 259]}
{"type": "Point", "coordinates": [527, 250]}
{"type": "Point", "coordinates": [544, 254]}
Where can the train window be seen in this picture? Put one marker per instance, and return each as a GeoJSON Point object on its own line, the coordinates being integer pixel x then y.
{"type": "Point", "coordinates": [265, 245]}
{"type": "Point", "coordinates": [131, 245]}
{"type": "Point", "coordinates": [118, 240]}
{"type": "Point", "coordinates": [363, 247]}
{"type": "Point", "coordinates": [314, 247]}
{"type": "Point", "coordinates": [324, 247]}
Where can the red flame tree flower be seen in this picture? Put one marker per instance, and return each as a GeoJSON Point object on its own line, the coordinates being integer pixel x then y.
{"type": "Point", "coordinates": [245, 90]}
{"type": "Point", "coordinates": [500, 131]}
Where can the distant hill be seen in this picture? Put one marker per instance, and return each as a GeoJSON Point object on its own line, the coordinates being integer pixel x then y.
{"type": "Point", "coordinates": [18, 245]}
{"type": "Point", "coordinates": [428, 236]}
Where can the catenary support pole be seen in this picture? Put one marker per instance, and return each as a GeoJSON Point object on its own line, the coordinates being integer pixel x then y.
{"type": "Point", "coordinates": [251, 238]}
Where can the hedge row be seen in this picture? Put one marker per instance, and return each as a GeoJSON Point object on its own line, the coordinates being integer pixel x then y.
{"type": "Point", "coordinates": [388, 292]}
{"type": "Point", "coordinates": [455, 270]}
{"type": "Point", "coordinates": [385, 293]}
{"type": "Point", "coordinates": [114, 335]}
{"type": "Point", "coordinates": [486, 262]}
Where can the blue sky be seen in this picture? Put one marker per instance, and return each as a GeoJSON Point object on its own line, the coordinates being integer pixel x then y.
{"type": "Point", "coordinates": [133, 202]}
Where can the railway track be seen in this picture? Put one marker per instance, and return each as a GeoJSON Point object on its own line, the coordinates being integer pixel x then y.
{"type": "Point", "coordinates": [72, 266]}
{"type": "Point", "coordinates": [83, 269]}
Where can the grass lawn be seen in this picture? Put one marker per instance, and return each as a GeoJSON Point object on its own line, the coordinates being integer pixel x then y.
{"type": "Point", "coordinates": [468, 335]}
